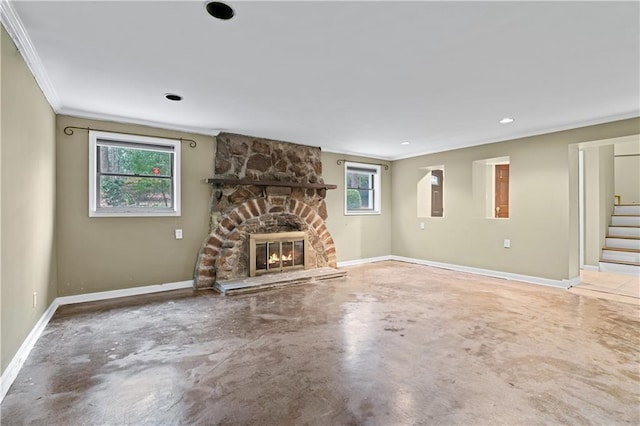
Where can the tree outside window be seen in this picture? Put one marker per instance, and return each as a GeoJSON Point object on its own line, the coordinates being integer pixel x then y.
{"type": "Point", "coordinates": [133, 176]}
{"type": "Point", "coordinates": [362, 188]}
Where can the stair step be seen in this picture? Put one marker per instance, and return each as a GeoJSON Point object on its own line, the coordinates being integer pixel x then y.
{"type": "Point", "coordinates": [622, 243]}
{"type": "Point", "coordinates": [617, 262]}
{"type": "Point", "coordinates": [624, 231]}
{"type": "Point", "coordinates": [626, 209]}
{"type": "Point", "coordinates": [625, 220]}
{"type": "Point", "coordinates": [620, 267]}
{"type": "Point", "coordinates": [627, 249]}
{"type": "Point", "coordinates": [622, 255]}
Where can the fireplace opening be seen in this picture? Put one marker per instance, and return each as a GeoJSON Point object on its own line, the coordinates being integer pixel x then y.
{"type": "Point", "coordinates": [276, 252]}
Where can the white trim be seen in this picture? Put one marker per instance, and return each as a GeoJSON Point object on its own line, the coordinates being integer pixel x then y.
{"type": "Point", "coordinates": [522, 135]}
{"type": "Point", "coordinates": [514, 136]}
{"type": "Point", "coordinates": [88, 115]}
{"type": "Point", "coordinates": [11, 372]}
{"type": "Point", "coordinates": [581, 209]}
{"type": "Point", "coordinates": [20, 37]}
{"type": "Point", "coordinates": [617, 268]}
{"type": "Point", "coordinates": [356, 154]}
{"type": "Point", "coordinates": [363, 261]}
{"type": "Point", "coordinates": [376, 208]}
{"type": "Point", "coordinates": [125, 292]}
{"type": "Point", "coordinates": [176, 151]}
{"type": "Point", "coordinates": [564, 284]}
{"type": "Point", "coordinates": [591, 268]}
{"type": "Point", "coordinates": [572, 282]}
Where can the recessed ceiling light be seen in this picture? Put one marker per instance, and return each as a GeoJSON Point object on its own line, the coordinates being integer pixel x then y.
{"type": "Point", "coordinates": [220, 10]}
{"type": "Point", "coordinates": [405, 143]}
{"type": "Point", "coordinates": [506, 120]}
{"type": "Point", "coordinates": [173, 97]}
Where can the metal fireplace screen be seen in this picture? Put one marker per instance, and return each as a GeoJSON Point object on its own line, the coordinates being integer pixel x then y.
{"type": "Point", "coordinates": [277, 252]}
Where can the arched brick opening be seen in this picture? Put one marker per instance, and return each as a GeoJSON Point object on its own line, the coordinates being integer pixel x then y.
{"type": "Point", "coordinates": [224, 253]}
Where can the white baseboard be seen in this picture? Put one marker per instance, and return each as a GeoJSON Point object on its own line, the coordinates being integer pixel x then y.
{"type": "Point", "coordinates": [134, 291]}
{"type": "Point", "coordinates": [572, 282]}
{"type": "Point", "coordinates": [11, 372]}
{"type": "Point", "coordinates": [591, 268]}
{"type": "Point", "coordinates": [363, 261]}
{"type": "Point", "coordinates": [564, 284]}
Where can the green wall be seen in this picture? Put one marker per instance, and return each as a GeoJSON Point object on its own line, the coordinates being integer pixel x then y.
{"type": "Point", "coordinates": [356, 237]}
{"type": "Point", "coordinates": [543, 222]}
{"type": "Point", "coordinates": [110, 253]}
{"type": "Point", "coordinates": [28, 255]}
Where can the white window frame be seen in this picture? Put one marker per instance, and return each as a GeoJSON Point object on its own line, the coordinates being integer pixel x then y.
{"type": "Point", "coordinates": [377, 193]}
{"type": "Point", "coordinates": [95, 211]}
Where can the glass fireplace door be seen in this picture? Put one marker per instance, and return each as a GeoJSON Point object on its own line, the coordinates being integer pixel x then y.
{"type": "Point", "coordinates": [276, 252]}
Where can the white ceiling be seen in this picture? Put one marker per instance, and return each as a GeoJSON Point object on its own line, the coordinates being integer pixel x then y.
{"type": "Point", "coordinates": [352, 77]}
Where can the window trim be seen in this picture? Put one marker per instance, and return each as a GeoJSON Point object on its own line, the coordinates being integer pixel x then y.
{"type": "Point", "coordinates": [377, 192]}
{"type": "Point", "coordinates": [94, 137]}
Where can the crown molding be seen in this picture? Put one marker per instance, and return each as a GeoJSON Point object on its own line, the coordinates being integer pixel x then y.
{"type": "Point", "coordinates": [88, 115]}
{"type": "Point", "coordinates": [356, 154]}
{"type": "Point", "coordinates": [16, 30]}
{"type": "Point", "coordinates": [530, 133]}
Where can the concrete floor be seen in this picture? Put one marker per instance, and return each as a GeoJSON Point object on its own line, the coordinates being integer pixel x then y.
{"type": "Point", "coordinates": [393, 343]}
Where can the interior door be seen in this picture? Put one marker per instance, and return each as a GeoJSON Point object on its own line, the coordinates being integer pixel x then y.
{"type": "Point", "coordinates": [502, 190]}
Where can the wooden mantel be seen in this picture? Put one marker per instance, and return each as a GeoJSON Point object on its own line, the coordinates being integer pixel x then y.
{"type": "Point", "coordinates": [230, 181]}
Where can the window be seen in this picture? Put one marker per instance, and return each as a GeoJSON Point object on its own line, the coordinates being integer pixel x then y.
{"type": "Point", "coordinates": [491, 187]}
{"type": "Point", "coordinates": [437, 187]}
{"type": "Point", "coordinates": [133, 175]}
{"type": "Point", "coordinates": [430, 192]}
{"type": "Point", "coordinates": [362, 183]}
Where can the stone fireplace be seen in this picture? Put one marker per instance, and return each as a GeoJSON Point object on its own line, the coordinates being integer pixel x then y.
{"type": "Point", "coordinates": [268, 211]}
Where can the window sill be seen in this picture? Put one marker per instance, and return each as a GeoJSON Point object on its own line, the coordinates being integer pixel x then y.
{"type": "Point", "coordinates": [134, 214]}
{"type": "Point", "coordinates": [361, 213]}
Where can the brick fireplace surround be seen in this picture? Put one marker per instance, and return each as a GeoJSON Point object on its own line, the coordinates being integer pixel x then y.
{"type": "Point", "coordinates": [256, 205]}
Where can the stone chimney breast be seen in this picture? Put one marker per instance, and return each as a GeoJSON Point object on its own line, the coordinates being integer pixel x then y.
{"type": "Point", "coordinates": [262, 186]}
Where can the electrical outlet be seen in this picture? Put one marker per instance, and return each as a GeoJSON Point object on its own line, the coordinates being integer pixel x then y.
{"type": "Point", "coordinates": [35, 299]}
{"type": "Point", "coordinates": [507, 243]}
{"type": "Point", "coordinates": [421, 225]}
{"type": "Point", "coordinates": [178, 234]}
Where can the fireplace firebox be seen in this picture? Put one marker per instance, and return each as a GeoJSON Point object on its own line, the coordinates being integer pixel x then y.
{"type": "Point", "coordinates": [277, 252]}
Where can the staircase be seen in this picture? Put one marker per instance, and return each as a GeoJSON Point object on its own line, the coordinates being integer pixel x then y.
{"type": "Point", "coordinates": [621, 253]}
